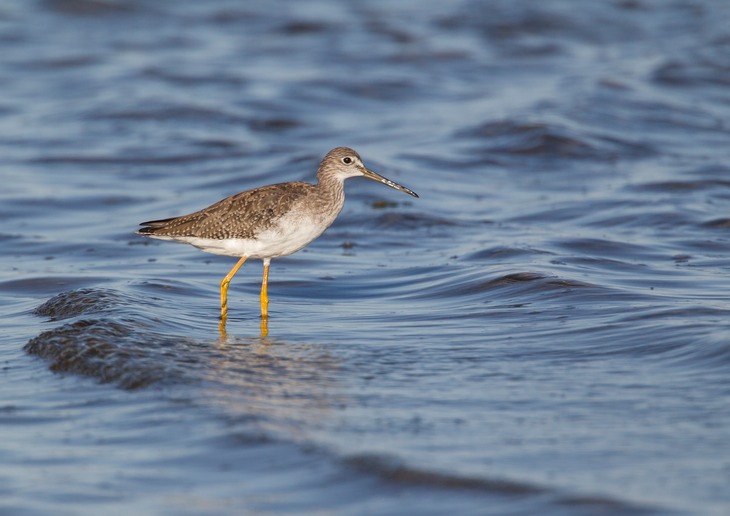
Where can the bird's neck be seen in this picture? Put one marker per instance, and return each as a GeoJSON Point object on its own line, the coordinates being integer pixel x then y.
{"type": "Point", "coordinates": [331, 190]}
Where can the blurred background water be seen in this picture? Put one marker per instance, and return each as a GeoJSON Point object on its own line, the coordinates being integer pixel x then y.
{"type": "Point", "coordinates": [545, 331]}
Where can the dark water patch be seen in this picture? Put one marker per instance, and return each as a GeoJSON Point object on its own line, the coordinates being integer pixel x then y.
{"type": "Point", "coordinates": [575, 212]}
{"type": "Point", "coordinates": [647, 122]}
{"type": "Point", "coordinates": [230, 15]}
{"type": "Point", "coordinates": [381, 90]}
{"type": "Point", "coordinates": [191, 78]}
{"type": "Point", "coordinates": [608, 248]}
{"type": "Point", "coordinates": [162, 111]}
{"type": "Point", "coordinates": [550, 141]}
{"type": "Point", "coordinates": [19, 142]}
{"type": "Point", "coordinates": [553, 214]}
{"type": "Point", "coordinates": [40, 206]}
{"type": "Point", "coordinates": [89, 7]}
{"type": "Point", "coordinates": [12, 415]}
{"type": "Point", "coordinates": [451, 166]}
{"type": "Point", "coordinates": [514, 27]}
{"type": "Point", "coordinates": [217, 143]}
{"type": "Point", "coordinates": [699, 71]}
{"type": "Point", "coordinates": [7, 110]}
{"type": "Point", "coordinates": [383, 204]}
{"type": "Point", "coordinates": [118, 348]}
{"type": "Point", "coordinates": [60, 63]}
{"type": "Point", "coordinates": [173, 43]}
{"type": "Point", "coordinates": [303, 28]}
{"type": "Point", "coordinates": [517, 286]}
{"type": "Point", "coordinates": [711, 244]}
{"type": "Point", "coordinates": [396, 473]}
{"type": "Point", "coordinates": [500, 254]}
{"type": "Point", "coordinates": [532, 49]}
{"type": "Point", "coordinates": [78, 302]}
{"type": "Point", "coordinates": [710, 171]}
{"type": "Point", "coordinates": [508, 137]}
{"type": "Point", "coordinates": [411, 221]}
{"type": "Point", "coordinates": [136, 159]}
{"type": "Point", "coordinates": [700, 313]}
{"type": "Point", "coordinates": [517, 277]}
{"type": "Point", "coordinates": [192, 114]}
{"type": "Point", "coordinates": [4, 237]}
{"type": "Point", "coordinates": [392, 32]}
{"type": "Point", "coordinates": [118, 352]}
{"type": "Point", "coordinates": [418, 55]}
{"type": "Point", "coordinates": [680, 186]}
{"type": "Point", "coordinates": [643, 218]}
{"type": "Point", "coordinates": [723, 223]}
{"type": "Point", "coordinates": [274, 124]}
{"type": "Point", "coordinates": [605, 264]}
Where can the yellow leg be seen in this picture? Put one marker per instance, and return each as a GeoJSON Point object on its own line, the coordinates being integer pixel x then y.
{"type": "Point", "coordinates": [224, 288]}
{"type": "Point", "coordinates": [264, 291]}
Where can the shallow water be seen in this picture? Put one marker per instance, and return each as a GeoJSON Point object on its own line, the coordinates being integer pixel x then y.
{"type": "Point", "coordinates": [544, 331]}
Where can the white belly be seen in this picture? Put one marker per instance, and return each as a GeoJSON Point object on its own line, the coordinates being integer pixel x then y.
{"type": "Point", "coordinates": [292, 233]}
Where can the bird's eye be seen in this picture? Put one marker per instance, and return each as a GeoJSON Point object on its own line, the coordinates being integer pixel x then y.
{"type": "Point", "coordinates": [347, 160]}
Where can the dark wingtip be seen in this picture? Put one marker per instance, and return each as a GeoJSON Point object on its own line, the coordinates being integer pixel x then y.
{"type": "Point", "coordinates": [151, 226]}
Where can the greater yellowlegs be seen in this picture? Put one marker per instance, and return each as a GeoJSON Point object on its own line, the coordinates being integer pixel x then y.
{"type": "Point", "coordinates": [270, 221]}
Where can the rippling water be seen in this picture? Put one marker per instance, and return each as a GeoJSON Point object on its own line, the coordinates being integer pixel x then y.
{"type": "Point", "coordinates": [545, 331]}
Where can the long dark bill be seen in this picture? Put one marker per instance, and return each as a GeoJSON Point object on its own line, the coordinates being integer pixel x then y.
{"type": "Point", "coordinates": [377, 177]}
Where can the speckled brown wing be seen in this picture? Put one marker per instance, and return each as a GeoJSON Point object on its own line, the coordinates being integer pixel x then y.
{"type": "Point", "coordinates": [240, 216]}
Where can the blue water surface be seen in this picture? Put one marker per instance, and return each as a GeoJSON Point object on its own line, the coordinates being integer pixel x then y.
{"type": "Point", "coordinates": [544, 331]}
